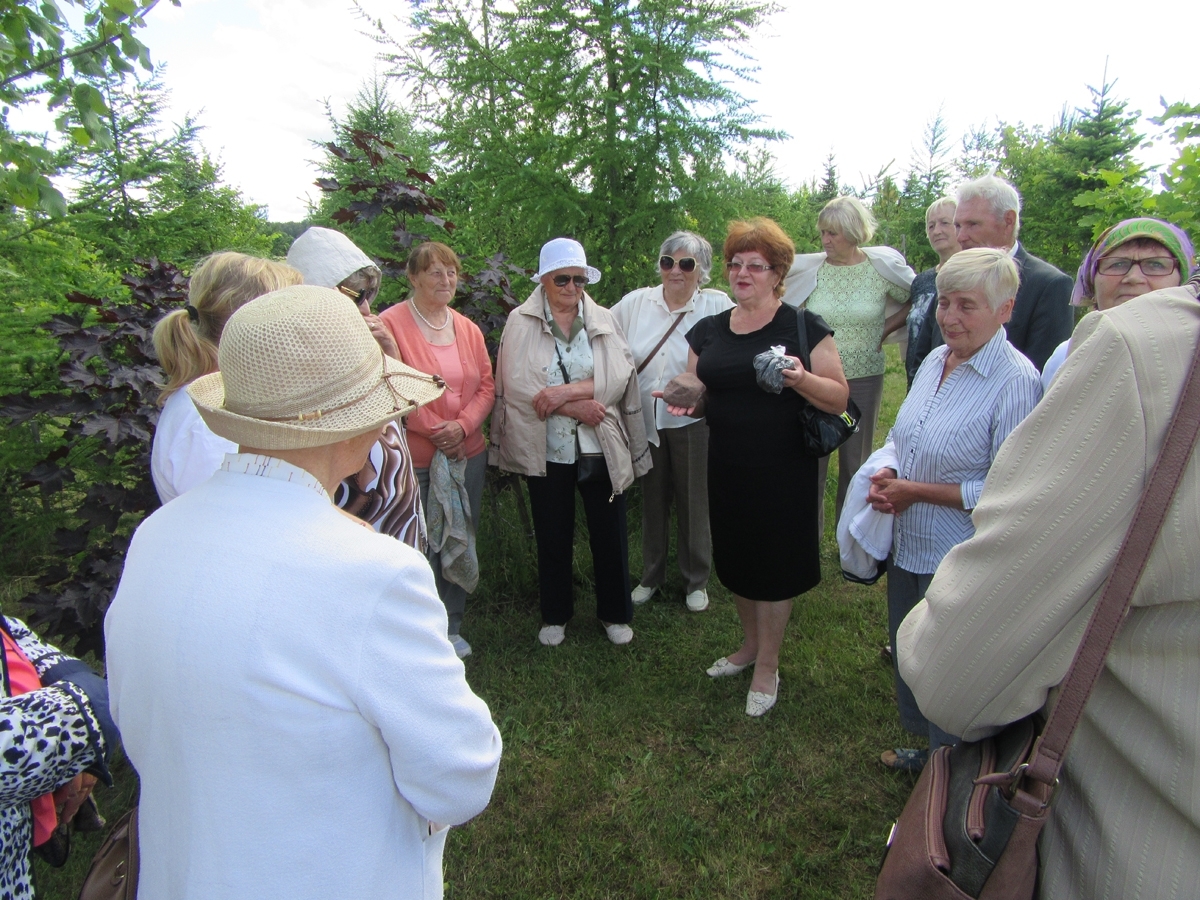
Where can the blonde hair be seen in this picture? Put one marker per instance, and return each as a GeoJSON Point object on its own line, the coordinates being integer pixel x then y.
{"type": "Point", "coordinates": [221, 284]}
{"type": "Point", "coordinates": [938, 204]}
{"type": "Point", "coordinates": [848, 217]}
{"type": "Point", "coordinates": [992, 272]}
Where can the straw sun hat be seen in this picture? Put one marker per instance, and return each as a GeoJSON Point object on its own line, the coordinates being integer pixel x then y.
{"type": "Point", "coordinates": [299, 368]}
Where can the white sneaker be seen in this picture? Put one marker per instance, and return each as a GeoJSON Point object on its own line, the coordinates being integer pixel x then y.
{"type": "Point", "coordinates": [697, 601]}
{"type": "Point", "coordinates": [619, 634]}
{"type": "Point", "coordinates": [461, 647]}
{"type": "Point", "coordinates": [641, 594]}
{"type": "Point", "coordinates": [552, 635]}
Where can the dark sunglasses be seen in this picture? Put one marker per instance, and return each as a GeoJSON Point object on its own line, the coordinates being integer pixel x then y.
{"type": "Point", "coordinates": [564, 280]}
{"type": "Point", "coordinates": [359, 296]}
{"type": "Point", "coordinates": [667, 263]}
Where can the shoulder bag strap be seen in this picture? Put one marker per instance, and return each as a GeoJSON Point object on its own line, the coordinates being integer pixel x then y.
{"type": "Point", "coordinates": [562, 368]}
{"type": "Point", "coordinates": [1047, 756]}
{"type": "Point", "coordinates": [658, 346]}
{"type": "Point", "coordinates": [802, 329]}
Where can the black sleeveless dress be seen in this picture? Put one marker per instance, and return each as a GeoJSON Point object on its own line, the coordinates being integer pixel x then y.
{"type": "Point", "coordinates": [762, 491]}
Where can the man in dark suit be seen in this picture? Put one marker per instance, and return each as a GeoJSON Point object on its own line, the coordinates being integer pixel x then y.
{"type": "Point", "coordinates": [989, 215]}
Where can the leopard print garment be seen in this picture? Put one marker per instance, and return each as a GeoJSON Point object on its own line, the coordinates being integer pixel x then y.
{"type": "Point", "coordinates": [47, 737]}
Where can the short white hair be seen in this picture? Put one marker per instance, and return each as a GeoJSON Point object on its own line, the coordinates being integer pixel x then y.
{"type": "Point", "coordinates": [984, 269]}
{"type": "Point", "coordinates": [999, 195]}
{"type": "Point", "coordinates": [939, 204]}
{"type": "Point", "coordinates": [848, 217]}
{"type": "Point", "coordinates": [696, 245]}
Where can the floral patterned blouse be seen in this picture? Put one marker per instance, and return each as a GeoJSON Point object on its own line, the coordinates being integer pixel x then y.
{"type": "Point", "coordinates": [851, 299]}
{"type": "Point", "coordinates": [575, 352]}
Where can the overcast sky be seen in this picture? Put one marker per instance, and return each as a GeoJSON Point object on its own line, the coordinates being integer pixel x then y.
{"type": "Point", "coordinates": [860, 80]}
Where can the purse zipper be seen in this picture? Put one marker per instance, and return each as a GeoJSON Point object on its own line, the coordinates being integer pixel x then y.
{"type": "Point", "coordinates": [987, 763]}
{"type": "Point", "coordinates": [935, 810]}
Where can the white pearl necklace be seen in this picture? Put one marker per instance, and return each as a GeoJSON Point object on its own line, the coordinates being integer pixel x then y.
{"type": "Point", "coordinates": [417, 310]}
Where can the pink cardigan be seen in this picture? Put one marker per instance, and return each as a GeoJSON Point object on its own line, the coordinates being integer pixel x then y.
{"type": "Point", "coordinates": [479, 390]}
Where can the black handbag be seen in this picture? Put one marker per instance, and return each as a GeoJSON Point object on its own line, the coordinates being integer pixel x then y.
{"type": "Point", "coordinates": [589, 467]}
{"type": "Point", "coordinates": [823, 432]}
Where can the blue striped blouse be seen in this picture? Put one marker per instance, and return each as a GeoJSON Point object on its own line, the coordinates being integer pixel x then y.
{"type": "Point", "coordinates": [949, 434]}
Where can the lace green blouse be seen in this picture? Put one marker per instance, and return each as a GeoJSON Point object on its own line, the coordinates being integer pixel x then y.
{"type": "Point", "coordinates": [851, 300]}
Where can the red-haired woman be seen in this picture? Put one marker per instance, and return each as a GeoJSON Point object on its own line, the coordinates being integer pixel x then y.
{"type": "Point", "coordinates": [762, 489]}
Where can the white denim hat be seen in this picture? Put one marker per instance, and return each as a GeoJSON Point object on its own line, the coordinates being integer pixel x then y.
{"type": "Point", "coordinates": [563, 253]}
{"type": "Point", "coordinates": [326, 257]}
{"type": "Point", "coordinates": [300, 368]}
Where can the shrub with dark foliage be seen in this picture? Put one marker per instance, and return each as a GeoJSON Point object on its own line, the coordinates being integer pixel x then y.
{"type": "Point", "coordinates": [98, 474]}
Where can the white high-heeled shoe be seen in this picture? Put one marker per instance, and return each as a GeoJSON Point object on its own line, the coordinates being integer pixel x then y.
{"type": "Point", "coordinates": [723, 667]}
{"type": "Point", "coordinates": [758, 703]}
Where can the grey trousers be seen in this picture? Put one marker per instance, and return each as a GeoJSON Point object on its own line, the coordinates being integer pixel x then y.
{"type": "Point", "coordinates": [904, 590]}
{"type": "Point", "coordinates": [867, 393]}
{"type": "Point", "coordinates": [454, 596]}
{"type": "Point", "coordinates": [680, 473]}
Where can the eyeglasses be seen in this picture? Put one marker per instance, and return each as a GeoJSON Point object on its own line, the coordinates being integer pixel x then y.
{"type": "Point", "coordinates": [359, 297]}
{"type": "Point", "coordinates": [752, 268]}
{"type": "Point", "coordinates": [1151, 266]}
{"type": "Point", "coordinates": [667, 263]}
{"type": "Point", "coordinates": [563, 280]}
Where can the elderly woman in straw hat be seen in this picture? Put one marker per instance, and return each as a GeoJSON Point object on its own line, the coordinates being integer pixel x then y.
{"type": "Point", "coordinates": [568, 415]}
{"type": "Point", "coordinates": [272, 660]}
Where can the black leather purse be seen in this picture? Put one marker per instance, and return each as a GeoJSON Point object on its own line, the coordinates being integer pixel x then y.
{"type": "Point", "coordinates": [823, 432]}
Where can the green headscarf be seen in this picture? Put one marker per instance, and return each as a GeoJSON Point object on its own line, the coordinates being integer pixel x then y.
{"type": "Point", "coordinates": [1170, 236]}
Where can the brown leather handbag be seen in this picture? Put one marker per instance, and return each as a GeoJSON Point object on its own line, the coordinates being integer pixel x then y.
{"type": "Point", "coordinates": [970, 828]}
{"type": "Point", "coordinates": [114, 871]}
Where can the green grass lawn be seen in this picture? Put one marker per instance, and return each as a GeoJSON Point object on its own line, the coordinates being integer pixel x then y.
{"type": "Point", "coordinates": [627, 772]}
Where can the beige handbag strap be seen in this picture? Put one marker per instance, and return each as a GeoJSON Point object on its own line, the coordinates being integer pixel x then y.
{"type": "Point", "coordinates": [1047, 757]}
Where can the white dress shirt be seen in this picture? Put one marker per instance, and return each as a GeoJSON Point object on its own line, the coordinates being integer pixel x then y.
{"type": "Point", "coordinates": [645, 317]}
{"type": "Point", "coordinates": [184, 453]}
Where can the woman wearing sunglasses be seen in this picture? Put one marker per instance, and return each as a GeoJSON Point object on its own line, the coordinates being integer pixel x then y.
{"type": "Point", "coordinates": [1132, 258]}
{"type": "Point", "coordinates": [567, 416]}
{"type": "Point", "coordinates": [384, 493]}
{"type": "Point", "coordinates": [656, 321]}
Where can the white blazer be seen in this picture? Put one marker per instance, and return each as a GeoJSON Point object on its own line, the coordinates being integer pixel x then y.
{"type": "Point", "coordinates": [285, 689]}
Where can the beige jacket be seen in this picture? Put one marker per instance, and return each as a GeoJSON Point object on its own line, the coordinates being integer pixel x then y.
{"type": "Point", "coordinates": [1006, 610]}
{"type": "Point", "coordinates": [518, 436]}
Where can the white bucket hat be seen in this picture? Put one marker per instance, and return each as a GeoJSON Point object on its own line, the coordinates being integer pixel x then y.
{"type": "Point", "coordinates": [299, 368]}
{"type": "Point", "coordinates": [564, 253]}
{"type": "Point", "coordinates": [326, 257]}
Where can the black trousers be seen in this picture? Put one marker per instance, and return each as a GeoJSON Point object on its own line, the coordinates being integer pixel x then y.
{"type": "Point", "coordinates": [552, 502]}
